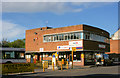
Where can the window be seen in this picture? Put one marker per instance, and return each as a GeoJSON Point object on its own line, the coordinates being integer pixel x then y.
{"type": "Point", "coordinates": [86, 36]}
{"type": "Point", "coordinates": [76, 56]}
{"type": "Point", "coordinates": [72, 36]}
{"type": "Point", "coordinates": [34, 39]}
{"type": "Point", "coordinates": [60, 37]}
{"type": "Point", "coordinates": [45, 38]}
{"type": "Point", "coordinates": [21, 55]}
{"type": "Point", "coordinates": [69, 36]}
{"type": "Point", "coordinates": [49, 38]}
{"type": "Point", "coordinates": [52, 38]}
{"type": "Point", "coordinates": [57, 38]}
{"type": "Point", "coordinates": [75, 35]}
{"type": "Point", "coordinates": [66, 37]}
{"type": "Point", "coordinates": [9, 55]}
{"type": "Point", "coordinates": [81, 35]}
{"type": "Point", "coordinates": [35, 33]}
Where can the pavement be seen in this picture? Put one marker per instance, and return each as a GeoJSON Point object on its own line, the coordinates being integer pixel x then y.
{"type": "Point", "coordinates": [85, 72]}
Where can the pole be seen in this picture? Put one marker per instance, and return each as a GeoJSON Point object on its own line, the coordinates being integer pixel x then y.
{"type": "Point", "coordinates": [43, 67]}
{"type": "Point", "coordinates": [72, 59]}
{"type": "Point", "coordinates": [53, 66]}
{"type": "Point", "coordinates": [67, 64]}
{"type": "Point", "coordinates": [61, 66]}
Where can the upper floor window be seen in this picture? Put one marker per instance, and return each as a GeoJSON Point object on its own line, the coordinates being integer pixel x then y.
{"type": "Point", "coordinates": [74, 35]}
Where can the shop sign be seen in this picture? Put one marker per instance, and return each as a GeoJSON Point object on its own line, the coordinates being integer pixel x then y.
{"type": "Point", "coordinates": [73, 48]}
{"type": "Point", "coordinates": [41, 49]}
{"type": "Point", "coordinates": [62, 47]}
{"type": "Point", "coordinates": [101, 46]}
{"type": "Point", "coordinates": [75, 43]}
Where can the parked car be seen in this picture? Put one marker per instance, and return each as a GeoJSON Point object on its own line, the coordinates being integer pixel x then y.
{"type": "Point", "coordinates": [107, 60]}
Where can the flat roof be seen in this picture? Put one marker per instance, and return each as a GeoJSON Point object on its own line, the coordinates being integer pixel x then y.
{"type": "Point", "coordinates": [11, 49]}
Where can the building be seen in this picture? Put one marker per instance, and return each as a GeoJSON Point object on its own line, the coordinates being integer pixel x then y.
{"type": "Point", "coordinates": [88, 41]}
{"type": "Point", "coordinates": [115, 46]}
{"type": "Point", "coordinates": [12, 55]}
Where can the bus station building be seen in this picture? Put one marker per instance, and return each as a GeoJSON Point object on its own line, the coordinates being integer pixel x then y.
{"type": "Point", "coordinates": [87, 40]}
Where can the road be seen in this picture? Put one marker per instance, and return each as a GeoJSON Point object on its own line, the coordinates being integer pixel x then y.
{"type": "Point", "coordinates": [101, 71]}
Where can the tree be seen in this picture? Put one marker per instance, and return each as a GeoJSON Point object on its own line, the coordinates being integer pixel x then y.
{"type": "Point", "coordinates": [5, 43]}
{"type": "Point", "coordinates": [19, 43]}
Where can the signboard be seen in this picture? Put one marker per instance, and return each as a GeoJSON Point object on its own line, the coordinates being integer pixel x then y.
{"type": "Point", "coordinates": [82, 55]}
{"type": "Point", "coordinates": [73, 48]}
{"type": "Point", "coordinates": [16, 68]}
{"type": "Point", "coordinates": [63, 47]}
{"type": "Point", "coordinates": [56, 54]}
{"type": "Point", "coordinates": [54, 60]}
{"type": "Point", "coordinates": [41, 49]}
{"type": "Point", "coordinates": [76, 43]}
{"type": "Point", "coordinates": [101, 46]}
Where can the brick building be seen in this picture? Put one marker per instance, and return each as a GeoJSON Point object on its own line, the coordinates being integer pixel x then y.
{"type": "Point", "coordinates": [115, 46]}
{"type": "Point", "coordinates": [88, 40]}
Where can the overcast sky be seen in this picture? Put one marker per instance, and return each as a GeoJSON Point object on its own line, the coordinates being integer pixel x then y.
{"type": "Point", "coordinates": [20, 16]}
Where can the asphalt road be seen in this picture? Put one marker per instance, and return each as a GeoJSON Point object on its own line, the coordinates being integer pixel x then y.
{"type": "Point", "coordinates": [94, 72]}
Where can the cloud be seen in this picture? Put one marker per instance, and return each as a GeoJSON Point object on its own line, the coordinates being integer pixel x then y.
{"type": "Point", "coordinates": [11, 31]}
{"type": "Point", "coordinates": [28, 7]}
{"type": "Point", "coordinates": [53, 7]}
{"type": "Point", "coordinates": [77, 10]}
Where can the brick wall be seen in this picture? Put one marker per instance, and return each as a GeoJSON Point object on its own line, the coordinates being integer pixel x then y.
{"type": "Point", "coordinates": [114, 46]}
{"type": "Point", "coordinates": [52, 46]}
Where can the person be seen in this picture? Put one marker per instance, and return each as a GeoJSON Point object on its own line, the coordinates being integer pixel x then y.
{"type": "Point", "coordinates": [68, 60]}
{"type": "Point", "coordinates": [99, 60]}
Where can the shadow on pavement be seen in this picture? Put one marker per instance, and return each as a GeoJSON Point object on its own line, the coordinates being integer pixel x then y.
{"type": "Point", "coordinates": [86, 76]}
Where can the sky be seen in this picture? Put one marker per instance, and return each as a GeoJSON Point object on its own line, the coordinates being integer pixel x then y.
{"type": "Point", "coordinates": [20, 16]}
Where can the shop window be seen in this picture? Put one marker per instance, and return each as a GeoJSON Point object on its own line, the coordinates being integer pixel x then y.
{"type": "Point", "coordinates": [77, 56]}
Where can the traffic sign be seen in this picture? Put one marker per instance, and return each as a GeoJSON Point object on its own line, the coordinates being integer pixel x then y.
{"type": "Point", "coordinates": [56, 54]}
{"type": "Point", "coordinates": [73, 48]}
{"type": "Point", "coordinates": [82, 55]}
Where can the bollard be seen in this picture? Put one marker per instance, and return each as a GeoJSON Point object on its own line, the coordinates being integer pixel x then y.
{"type": "Point", "coordinates": [53, 66]}
{"type": "Point", "coordinates": [72, 59]}
{"type": "Point", "coordinates": [33, 69]}
{"type": "Point", "coordinates": [61, 66]}
{"type": "Point", "coordinates": [43, 67]}
{"type": "Point", "coordinates": [67, 64]}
